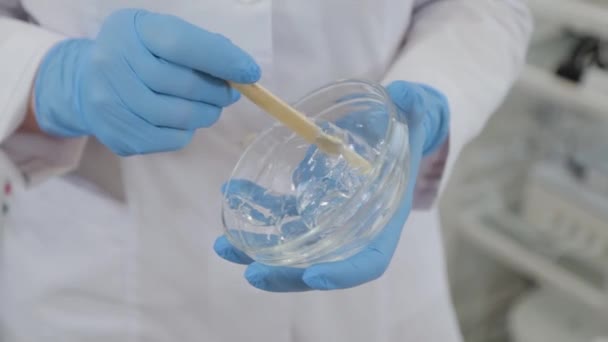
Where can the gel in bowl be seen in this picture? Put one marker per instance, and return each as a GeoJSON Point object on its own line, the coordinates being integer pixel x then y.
{"type": "Point", "coordinates": [289, 204]}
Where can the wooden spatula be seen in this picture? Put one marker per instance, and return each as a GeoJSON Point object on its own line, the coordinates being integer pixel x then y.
{"type": "Point", "coordinates": [300, 124]}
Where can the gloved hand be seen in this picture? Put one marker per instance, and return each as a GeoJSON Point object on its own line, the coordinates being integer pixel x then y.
{"type": "Point", "coordinates": [427, 114]}
{"type": "Point", "coordinates": [145, 84]}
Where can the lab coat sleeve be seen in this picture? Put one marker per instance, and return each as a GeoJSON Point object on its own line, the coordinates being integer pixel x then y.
{"type": "Point", "coordinates": [471, 51]}
{"type": "Point", "coordinates": [28, 158]}
{"type": "Point", "coordinates": [11, 8]}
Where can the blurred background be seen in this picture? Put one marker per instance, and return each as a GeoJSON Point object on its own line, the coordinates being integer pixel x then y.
{"type": "Point", "coordinates": [526, 212]}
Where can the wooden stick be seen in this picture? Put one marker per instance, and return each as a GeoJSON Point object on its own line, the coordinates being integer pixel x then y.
{"type": "Point", "coordinates": [300, 124]}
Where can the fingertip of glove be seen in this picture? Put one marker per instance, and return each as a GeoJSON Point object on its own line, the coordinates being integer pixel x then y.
{"type": "Point", "coordinates": [256, 275]}
{"type": "Point", "coordinates": [250, 72]}
{"type": "Point", "coordinates": [246, 70]}
{"type": "Point", "coordinates": [234, 96]}
{"type": "Point", "coordinates": [400, 93]}
{"type": "Point", "coordinates": [222, 246]}
{"type": "Point", "coordinates": [317, 281]}
{"type": "Point", "coordinates": [398, 89]}
{"type": "Point", "coordinates": [224, 249]}
{"type": "Point", "coordinates": [397, 85]}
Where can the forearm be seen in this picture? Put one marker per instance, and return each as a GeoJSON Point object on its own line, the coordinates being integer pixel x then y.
{"type": "Point", "coordinates": [471, 50]}
{"type": "Point", "coordinates": [30, 125]}
{"type": "Point", "coordinates": [13, 9]}
{"type": "Point", "coordinates": [35, 156]}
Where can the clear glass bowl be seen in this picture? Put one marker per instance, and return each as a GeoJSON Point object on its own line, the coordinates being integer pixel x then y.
{"type": "Point", "coordinates": [288, 204]}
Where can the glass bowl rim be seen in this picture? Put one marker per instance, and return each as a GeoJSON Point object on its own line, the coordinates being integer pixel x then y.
{"type": "Point", "coordinates": [382, 152]}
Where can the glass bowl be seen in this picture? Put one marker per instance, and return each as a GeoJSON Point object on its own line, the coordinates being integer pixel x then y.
{"type": "Point", "coordinates": [287, 203]}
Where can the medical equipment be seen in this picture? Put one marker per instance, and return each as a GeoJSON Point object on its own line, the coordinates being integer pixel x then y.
{"type": "Point", "coordinates": [288, 204]}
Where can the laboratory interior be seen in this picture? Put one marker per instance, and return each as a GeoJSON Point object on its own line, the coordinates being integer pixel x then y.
{"type": "Point", "coordinates": [525, 217]}
{"type": "Point", "coordinates": [524, 214]}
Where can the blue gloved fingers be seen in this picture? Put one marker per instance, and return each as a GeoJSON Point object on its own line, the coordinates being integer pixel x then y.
{"type": "Point", "coordinates": [227, 251]}
{"type": "Point", "coordinates": [180, 42]}
{"type": "Point", "coordinates": [143, 85]}
{"type": "Point", "coordinates": [437, 125]}
{"type": "Point", "coordinates": [276, 279]}
{"type": "Point", "coordinates": [238, 190]}
{"type": "Point", "coordinates": [173, 112]}
{"type": "Point", "coordinates": [361, 268]}
{"type": "Point", "coordinates": [365, 266]}
{"type": "Point", "coordinates": [142, 138]}
{"type": "Point", "coordinates": [167, 78]}
{"type": "Point", "coordinates": [373, 261]}
{"type": "Point", "coordinates": [417, 142]}
{"type": "Point", "coordinates": [423, 106]}
{"type": "Point", "coordinates": [54, 98]}
{"type": "Point", "coordinates": [126, 89]}
{"type": "Point", "coordinates": [163, 110]}
{"type": "Point", "coordinates": [263, 277]}
{"type": "Point", "coordinates": [409, 99]}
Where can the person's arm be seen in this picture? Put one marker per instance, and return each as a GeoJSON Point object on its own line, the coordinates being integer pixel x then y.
{"type": "Point", "coordinates": [471, 51]}
{"type": "Point", "coordinates": [144, 84]}
{"type": "Point", "coordinates": [33, 156]}
{"type": "Point", "coordinates": [12, 8]}
{"type": "Point", "coordinates": [468, 50]}
{"type": "Point", "coordinates": [30, 125]}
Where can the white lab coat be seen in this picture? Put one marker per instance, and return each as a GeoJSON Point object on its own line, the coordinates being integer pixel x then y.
{"type": "Point", "coordinates": [160, 280]}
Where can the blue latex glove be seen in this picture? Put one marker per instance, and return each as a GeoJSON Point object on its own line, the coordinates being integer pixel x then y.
{"type": "Point", "coordinates": [427, 114]}
{"type": "Point", "coordinates": [145, 84]}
